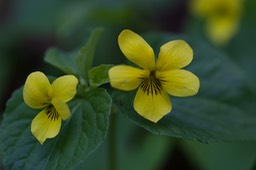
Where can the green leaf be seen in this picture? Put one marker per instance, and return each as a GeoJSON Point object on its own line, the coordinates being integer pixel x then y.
{"type": "Point", "coordinates": [223, 110]}
{"type": "Point", "coordinates": [99, 75]}
{"type": "Point", "coordinates": [61, 60]}
{"type": "Point", "coordinates": [85, 55]}
{"type": "Point", "coordinates": [80, 135]}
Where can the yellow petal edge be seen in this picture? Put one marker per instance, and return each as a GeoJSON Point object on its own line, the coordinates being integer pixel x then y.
{"type": "Point", "coordinates": [136, 49]}
{"type": "Point", "coordinates": [152, 107]}
{"type": "Point", "coordinates": [43, 127]}
{"type": "Point", "coordinates": [126, 77]}
{"type": "Point", "coordinates": [35, 91]}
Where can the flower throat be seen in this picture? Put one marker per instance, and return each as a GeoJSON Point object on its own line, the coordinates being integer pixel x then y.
{"type": "Point", "coordinates": [151, 85]}
{"type": "Point", "coordinates": [52, 113]}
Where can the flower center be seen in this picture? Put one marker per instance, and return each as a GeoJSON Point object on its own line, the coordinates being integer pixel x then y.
{"type": "Point", "coordinates": [151, 85]}
{"type": "Point", "coordinates": [52, 113]}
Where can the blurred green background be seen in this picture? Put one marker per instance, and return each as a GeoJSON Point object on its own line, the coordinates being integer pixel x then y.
{"type": "Point", "coordinates": [28, 28]}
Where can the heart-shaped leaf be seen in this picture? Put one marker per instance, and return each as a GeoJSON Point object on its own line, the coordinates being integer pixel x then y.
{"type": "Point", "coordinates": [80, 135]}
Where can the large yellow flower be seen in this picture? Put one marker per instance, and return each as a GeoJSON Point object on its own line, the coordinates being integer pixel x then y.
{"type": "Point", "coordinates": [222, 18]}
{"type": "Point", "coordinates": [154, 80]}
{"type": "Point", "coordinates": [39, 93]}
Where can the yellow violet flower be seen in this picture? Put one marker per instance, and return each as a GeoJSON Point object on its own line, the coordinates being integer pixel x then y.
{"type": "Point", "coordinates": [222, 18]}
{"type": "Point", "coordinates": [38, 93]}
{"type": "Point", "coordinates": [154, 80]}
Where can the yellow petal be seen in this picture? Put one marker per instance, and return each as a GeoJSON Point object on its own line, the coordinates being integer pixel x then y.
{"type": "Point", "coordinates": [152, 107]}
{"type": "Point", "coordinates": [64, 88]}
{"type": "Point", "coordinates": [126, 77]}
{"type": "Point", "coordinates": [221, 30]}
{"type": "Point", "coordinates": [208, 8]}
{"type": "Point", "coordinates": [61, 108]}
{"type": "Point", "coordinates": [202, 8]}
{"type": "Point", "coordinates": [179, 82]}
{"type": "Point", "coordinates": [173, 55]}
{"type": "Point", "coordinates": [136, 49]}
{"type": "Point", "coordinates": [35, 90]}
{"type": "Point", "coordinates": [222, 18]}
{"type": "Point", "coordinates": [43, 127]}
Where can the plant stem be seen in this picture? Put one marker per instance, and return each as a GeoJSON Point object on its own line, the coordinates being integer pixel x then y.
{"type": "Point", "coordinates": [112, 143]}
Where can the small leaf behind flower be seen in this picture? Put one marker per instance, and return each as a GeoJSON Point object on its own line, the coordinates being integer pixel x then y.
{"type": "Point", "coordinates": [80, 135]}
{"type": "Point", "coordinates": [85, 56]}
{"type": "Point", "coordinates": [99, 75]}
{"type": "Point", "coordinates": [63, 61]}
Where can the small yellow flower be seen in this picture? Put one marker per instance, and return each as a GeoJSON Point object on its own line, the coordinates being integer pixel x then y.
{"type": "Point", "coordinates": [155, 79]}
{"type": "Point", "coordinates": [38, 93]}
{"type": "Point", "coordinates": [222, 18]}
